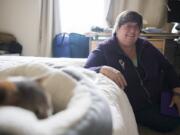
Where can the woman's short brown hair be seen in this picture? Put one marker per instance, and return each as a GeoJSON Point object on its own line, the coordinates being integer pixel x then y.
{"type": "Point", "coordinates": [128, 16]}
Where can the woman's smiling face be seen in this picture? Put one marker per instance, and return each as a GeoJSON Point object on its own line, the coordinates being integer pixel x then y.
{"type": "Point", "coordinates": [128, 33]}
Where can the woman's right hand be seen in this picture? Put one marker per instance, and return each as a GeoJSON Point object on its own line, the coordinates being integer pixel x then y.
{"type": "Point", "coordinates": [176, 99]}
{"type": "Point", "coordinates": [114, 75]}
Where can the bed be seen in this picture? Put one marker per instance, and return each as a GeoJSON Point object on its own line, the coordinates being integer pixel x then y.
{"type": "Point", "coordinates": [120, 121]}
{"type": "Point", "coordinates": [98, 106]}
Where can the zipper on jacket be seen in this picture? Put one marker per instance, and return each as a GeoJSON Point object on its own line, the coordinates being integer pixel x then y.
{"type": "Point", "coordinates": [142, 84]}
{"type": "Point", "coordinates": [141, 80]}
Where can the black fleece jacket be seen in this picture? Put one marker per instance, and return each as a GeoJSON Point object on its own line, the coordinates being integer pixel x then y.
{"type": "Point", "coordinates": [146, 81]}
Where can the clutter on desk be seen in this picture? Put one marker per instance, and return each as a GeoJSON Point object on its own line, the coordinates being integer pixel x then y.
{"type": "Point", "coordinates": [152, 30]}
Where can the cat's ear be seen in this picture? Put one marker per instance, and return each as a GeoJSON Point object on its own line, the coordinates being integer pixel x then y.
{"type": "Point", "coordinates": [7, 89]}
{"type": "Point", "coordinates": [41, 78]}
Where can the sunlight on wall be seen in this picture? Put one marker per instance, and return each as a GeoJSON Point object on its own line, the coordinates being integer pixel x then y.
{"type": "Point", "coordinates": [80, 15]}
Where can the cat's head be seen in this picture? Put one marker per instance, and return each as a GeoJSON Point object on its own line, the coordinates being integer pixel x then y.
{"type": "Point", "coordinates": [26, 93]}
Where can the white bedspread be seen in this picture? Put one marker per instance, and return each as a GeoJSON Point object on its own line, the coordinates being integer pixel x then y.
{"type": "Point", "coordinates": [122, 114]}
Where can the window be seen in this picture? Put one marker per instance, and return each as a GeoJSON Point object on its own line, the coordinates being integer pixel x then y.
{"type": "Point", "coordinates": [80, 15]}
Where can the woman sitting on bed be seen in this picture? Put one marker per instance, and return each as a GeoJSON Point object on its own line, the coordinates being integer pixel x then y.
{"type": "Point", "coordinates": [136, 66]}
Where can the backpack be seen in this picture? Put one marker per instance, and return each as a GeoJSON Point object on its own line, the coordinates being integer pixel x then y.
{"type": "Point", "coordinates": [71, 45]}
{"type": "Point", "coordinates": [9, 45]}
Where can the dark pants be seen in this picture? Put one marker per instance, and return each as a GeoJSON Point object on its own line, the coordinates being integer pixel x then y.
{"type": "Point", "coordinates": [151, 117]}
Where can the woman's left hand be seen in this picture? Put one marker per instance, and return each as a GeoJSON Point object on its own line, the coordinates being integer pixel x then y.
{"type": "Point", "coordinates": [176, 99]}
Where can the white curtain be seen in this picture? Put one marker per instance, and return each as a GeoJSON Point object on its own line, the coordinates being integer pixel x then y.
{"type": "Point", "coordinates": [49, 26]}
{"type": "Point", "coordinates": [153, 11]}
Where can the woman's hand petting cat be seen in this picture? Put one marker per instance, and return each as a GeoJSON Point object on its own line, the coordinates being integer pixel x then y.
{"type": "Point", "coordinates": [114, 75]}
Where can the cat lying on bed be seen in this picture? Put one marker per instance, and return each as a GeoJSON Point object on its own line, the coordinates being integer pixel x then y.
{"type": "Point", "coordinates": [26, 93]}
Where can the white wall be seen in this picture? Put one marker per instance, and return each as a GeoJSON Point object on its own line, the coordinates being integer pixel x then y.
{"type": "Point", "coordinates": [21, 18]}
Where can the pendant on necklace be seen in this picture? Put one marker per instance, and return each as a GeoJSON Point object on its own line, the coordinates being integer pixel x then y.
{"type": "Point", "coordinates": [122, 63]}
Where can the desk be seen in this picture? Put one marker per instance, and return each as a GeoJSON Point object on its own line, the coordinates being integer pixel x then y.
{"type": "Point", "coordinates": [158, 40]}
